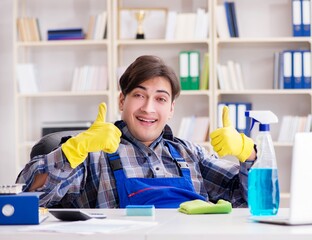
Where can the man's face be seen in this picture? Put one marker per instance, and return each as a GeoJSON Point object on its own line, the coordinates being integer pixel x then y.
{"type": "Point", "coordinates": [147, 108]}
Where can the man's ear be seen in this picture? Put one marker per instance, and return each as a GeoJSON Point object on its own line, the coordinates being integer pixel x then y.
{"type": "Point", "coordinates": [121, 101]}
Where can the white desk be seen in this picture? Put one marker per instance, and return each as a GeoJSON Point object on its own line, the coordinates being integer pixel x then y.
{"type": "Point", "coordinates": [173, 225]}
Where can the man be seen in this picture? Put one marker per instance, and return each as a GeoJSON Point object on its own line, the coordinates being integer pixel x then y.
{"type": "Point", "coordinates": [137, 160]}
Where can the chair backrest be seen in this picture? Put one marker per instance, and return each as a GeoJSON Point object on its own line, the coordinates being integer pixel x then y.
{"type": "Point", "coordinates": [51, 141]}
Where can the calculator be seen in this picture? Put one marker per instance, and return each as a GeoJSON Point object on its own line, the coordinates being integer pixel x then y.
{"type": "Point", "coordinates": [74, 214]}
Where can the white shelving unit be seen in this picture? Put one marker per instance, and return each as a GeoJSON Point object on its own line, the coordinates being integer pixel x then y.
{"type": "Point", "coordinates": [264, 26]}
{"type": "Point", "coordinates": [54, 62]}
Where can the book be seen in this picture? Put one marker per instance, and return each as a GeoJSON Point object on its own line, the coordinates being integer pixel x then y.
{"type": "Point", "coordinates": [185, 26]}
{"type": "Point", "coordinates": [184, 70]}
{"type": "Point", "coordinates": [297, 77]}
{"type": "Point", "coordinates": [306, 71]}
{"type": "Point", "coordinates": [100, 30]}
{"type": "Point", "coordinates": [229, 18]}
{"type": "Point", "coordinates": [201, 24]}
{"type": "Point", "coordinates": [204, 75]}
{"type": "Point", "coordinates": [26, 78]}
{"type": "Point", "coordinates": [194, 70]}
{"type": "Point", "coordinates": [234, 18]}
{"type": "Point", "coordinates": [297, 18]}
{"type": "Point", "coordinates": [66, 34]}
{"type": "Point", "coordinates": [221, 24]}
{"type": "Point", "coordinates": [171, 25]}
{"type": "Point", "coordinates": [306, 17]}
{"type": "Point", "coordinates": [287, 69]}
{"type": "Point", "coordinates": [194, 128]}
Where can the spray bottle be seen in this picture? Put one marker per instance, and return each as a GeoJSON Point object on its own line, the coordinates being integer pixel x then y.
{"type": "Point", "coordinates": [263, 185]}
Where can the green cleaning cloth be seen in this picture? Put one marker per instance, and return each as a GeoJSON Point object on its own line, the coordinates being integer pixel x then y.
{"type": "Point", "coordinates": [203, 207]}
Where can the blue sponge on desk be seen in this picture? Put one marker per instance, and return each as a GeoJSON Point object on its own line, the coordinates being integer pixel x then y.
{"type": "Point", "coordinates": [140, 210]}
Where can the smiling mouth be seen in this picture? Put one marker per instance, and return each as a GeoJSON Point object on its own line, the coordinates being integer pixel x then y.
{"type": "Point", "coordinates": [146, 120]}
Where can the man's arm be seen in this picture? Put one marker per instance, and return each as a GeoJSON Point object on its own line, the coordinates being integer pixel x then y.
{"type": "Point", "coordinates": [38, 182]}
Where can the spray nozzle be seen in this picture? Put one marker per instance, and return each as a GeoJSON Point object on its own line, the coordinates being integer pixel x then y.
{"type": "Point", "coordinates": [263, 117]}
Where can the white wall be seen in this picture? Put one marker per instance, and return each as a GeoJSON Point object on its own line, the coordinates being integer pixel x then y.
{"type": "Point", "coordinates": [7, 133]}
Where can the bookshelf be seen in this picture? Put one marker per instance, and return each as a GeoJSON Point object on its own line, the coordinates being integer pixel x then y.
{"type": "Point", "coordinates": [54, 63]}
{"type": "Point", "coordinates": [263, 30]}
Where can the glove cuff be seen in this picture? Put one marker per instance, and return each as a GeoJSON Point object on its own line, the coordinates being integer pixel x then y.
{"type": "Point", "coordinates": [73, 152]}
{"type": "Point", "coordinates": [248, 146]}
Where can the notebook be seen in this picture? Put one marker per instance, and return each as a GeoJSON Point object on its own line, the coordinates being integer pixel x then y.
{"type": "Point", "coordinates": [300, 208]}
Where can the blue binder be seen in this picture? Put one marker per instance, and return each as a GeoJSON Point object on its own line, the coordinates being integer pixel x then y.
{"type": "Point", "coordinates": [297, 70]}
{"type": "Point", "coordinates": [306, 18]}
{"type": "Point", "coordinates": [306, 69]}
{"type": "Point", "coordinates": [297, 18]}
{"type": "Point", "coordinates": [287, 69]}
{"type": "Point", "coordinates": [22, 208]}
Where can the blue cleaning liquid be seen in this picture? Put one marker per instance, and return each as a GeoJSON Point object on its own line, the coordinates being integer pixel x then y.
{"type": "Point", "coordinates": [263, 191]}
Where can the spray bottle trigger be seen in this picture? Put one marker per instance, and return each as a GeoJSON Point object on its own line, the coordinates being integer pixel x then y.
{"type": "Point", "coordinates": [253, 121]}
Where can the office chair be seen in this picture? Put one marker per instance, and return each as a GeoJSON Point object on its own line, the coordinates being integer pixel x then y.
{"type": "Point", "coordinates": [51, 141]}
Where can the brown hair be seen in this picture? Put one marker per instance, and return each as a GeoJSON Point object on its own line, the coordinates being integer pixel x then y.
{"type": "Point", "coordinates": [147, 67]}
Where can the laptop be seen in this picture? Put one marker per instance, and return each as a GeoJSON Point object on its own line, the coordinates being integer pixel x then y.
{"type": "Point", "coordinates": [300, 208]}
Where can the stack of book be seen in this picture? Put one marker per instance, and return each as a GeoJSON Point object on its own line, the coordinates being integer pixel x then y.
{"type": "Point", "coordinates": [187, 25]}
{"type": "Point", "coordinates": [90, 78]}
{"type": "Point", "coordinates": [195, 129]}
{"type": "Point", "coordinates": [97, 26]}
{"type": "Point", "coordinates": [28, 29]}
{"type": "Point", "coordinates": [230, 76]}
{"type": "Point", "coordinates": [291, 125]}
{"type": "Point", "coordinates": [66, 34]}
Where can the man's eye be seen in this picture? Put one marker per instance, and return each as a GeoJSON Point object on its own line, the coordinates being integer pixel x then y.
{"type": "Point", "coordinates": [138, 95]}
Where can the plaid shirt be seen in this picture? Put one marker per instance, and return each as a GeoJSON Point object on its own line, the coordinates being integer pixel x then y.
{"type": "Point", "coordinates": [92, 183]}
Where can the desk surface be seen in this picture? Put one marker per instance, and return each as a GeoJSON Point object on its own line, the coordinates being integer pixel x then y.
{"type": "Point", "coordinates": [174, 225]}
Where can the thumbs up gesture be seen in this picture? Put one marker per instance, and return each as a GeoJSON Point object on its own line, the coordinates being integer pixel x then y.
{"type": "Point", "coordinates": [227, 141]}
{"type": "Point", "coordinates": [100, 136]}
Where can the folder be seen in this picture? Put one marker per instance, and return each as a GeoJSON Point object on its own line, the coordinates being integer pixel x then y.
{"type": "Point", "coordinates": [204, 75]}
{"type": "Point", "coordinates": [234, 19]}
{"type": "Point", "coordinates": [287, 69]}
{"type": "Point", "coordinates": [22, 208]}
{"type": "Point", "coordinates": [297, 18]}
{"type": "Point", "coordinates": [194, 70]}
{"type": "Point", "coordinates": [297, 70]}
{"type": "Point", "coordinates": [306, 71]}
{"type": "Point", "coordinates": [229, 18]}
{"type": "Point", "coordinates": [184, 70]}
{"type": "Point", "coordinates": [243, 124]}
{"type": "Point", "coordinates": [306, 18]}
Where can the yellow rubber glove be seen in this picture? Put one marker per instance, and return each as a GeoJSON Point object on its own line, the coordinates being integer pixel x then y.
{"type": "Point", "coordinates": [100, 136]}
{"type": "Point", "coordinates": [227, 141]}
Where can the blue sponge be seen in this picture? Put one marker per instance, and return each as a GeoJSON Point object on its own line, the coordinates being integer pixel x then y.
{"type": "Point", "coordinates": [140, 210]}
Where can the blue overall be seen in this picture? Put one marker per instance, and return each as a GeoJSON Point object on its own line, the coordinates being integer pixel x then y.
{"type": "Point", "coordinates": [160, 192]}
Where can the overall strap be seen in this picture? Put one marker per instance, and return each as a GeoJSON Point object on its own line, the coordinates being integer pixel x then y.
{"type": "Point", "coordinates": [116, 165]}
{"type": "Point", "coordinates": [182, 164]}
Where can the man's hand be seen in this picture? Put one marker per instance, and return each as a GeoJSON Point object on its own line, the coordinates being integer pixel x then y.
{"type": "Point", "coordinates": [100, 136]}
{"type": "Point", "coordinates": [227, 141]}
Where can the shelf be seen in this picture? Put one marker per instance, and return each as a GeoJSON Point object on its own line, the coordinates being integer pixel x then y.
{"type": "Point", "coordinates": [160, 42]}
{"type": "Point", "coordinates": [266, 92]}
{"type": "Point", "coordinates": [263, 41]}
{"type": "Point", "coordinates": [63, 43]}
{"type": "Point", "coordinates": [64, 94]}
